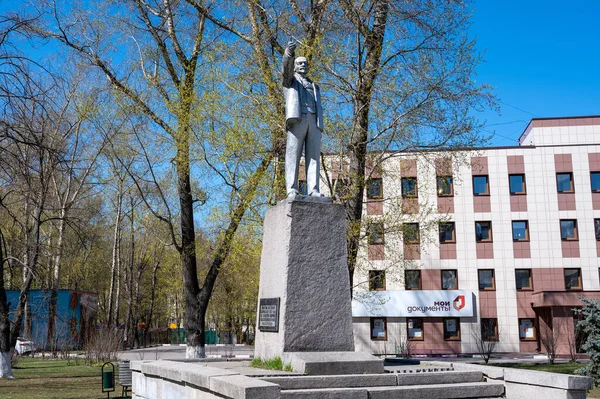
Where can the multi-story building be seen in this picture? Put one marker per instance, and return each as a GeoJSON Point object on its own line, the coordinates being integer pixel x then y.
{"type": "Point", "coordinates": [500, 241]}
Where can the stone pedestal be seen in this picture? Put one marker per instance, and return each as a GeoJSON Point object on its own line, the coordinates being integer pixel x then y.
{"type": "Point", "coordinates": [304, 269]}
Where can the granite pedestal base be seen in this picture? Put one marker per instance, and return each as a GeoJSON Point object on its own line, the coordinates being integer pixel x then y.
{"type": "Point", "coordinates": [304, 284]}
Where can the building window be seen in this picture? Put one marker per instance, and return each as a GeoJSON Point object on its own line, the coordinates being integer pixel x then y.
{"type": "Point", "coordinates": [483, 231]}
{"type": "Point", "coordinates": [379, 328]}
{"type": "Point", "coordinates": [517, 184]}
{"type": "Point", "coordinates": [447, 233]}
{"type": "Point", "coordinates": [375, 233]}
{"type": "Point", "coordinates": [527, 330]}
{"type": "Point", "coordinates": [410, 233]}
{"type": "Point", "coordinates": [449, 280]}
{"type": "Point", "coordinates": [445, 186]}
{"type": "Point", "coordinates": [523, 279]}
{"type": "Point", "coordinates": [452, 329]}
{"type": "Point", "coordinates": [412, 279]}
{"type": "Point", "coordinates": [520, 230]}
{"type": "Point", "coordinates": [481, 185]}
{"type": "Point", "coordinates": [489, 329]}
{"type": "Point", "coordinates": [302, 187]}
{"type": "Point", "coordinates": [487, 282]}
{"type": "Point", "coordinates": [568, 230]}
{"type": "Point", "coordinates": [375, 188]}
{"type": "Point", "coordinates": [573, 279]}
{"type": "Point", "coordinates": [376, 280]}
{"type": "Point", "coordinates": [595, 180]}
{"type": "Point", "coordinates": [597, 228]}
{"type": "Point", "coordinates": [564, 182]}
{"type": "Point", "coordinates": [415, 329]}
{"type": "Point", "coordinates": [409, 187]}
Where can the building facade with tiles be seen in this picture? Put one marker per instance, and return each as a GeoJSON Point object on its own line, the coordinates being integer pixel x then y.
{"type": "Point", "coordinates": [495, 242]}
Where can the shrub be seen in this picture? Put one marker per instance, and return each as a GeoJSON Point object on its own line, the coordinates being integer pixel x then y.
{"type": "Point", "coordinates": [590, 325]}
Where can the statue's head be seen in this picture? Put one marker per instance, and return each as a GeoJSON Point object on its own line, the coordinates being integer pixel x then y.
{"type": "Point", "coordinates": [301, 65]}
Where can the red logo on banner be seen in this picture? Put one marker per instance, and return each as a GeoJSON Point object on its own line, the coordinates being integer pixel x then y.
{"type": "Point", "coordinates": [459, 302]}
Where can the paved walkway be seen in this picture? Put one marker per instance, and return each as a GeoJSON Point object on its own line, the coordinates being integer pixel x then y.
{"type": "Point", "coordinates": [175, 352]}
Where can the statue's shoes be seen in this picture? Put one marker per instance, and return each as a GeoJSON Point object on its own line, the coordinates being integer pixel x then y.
{"type": "Point", "coordinates": [316, 194]}
{"type": "Point", "coordinates": [292, 193]}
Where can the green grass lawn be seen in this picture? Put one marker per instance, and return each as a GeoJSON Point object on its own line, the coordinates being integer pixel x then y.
{"type": "Point", "coordinates": [54, 379]}
{"type": "Point", "coordinates": [562, 368]}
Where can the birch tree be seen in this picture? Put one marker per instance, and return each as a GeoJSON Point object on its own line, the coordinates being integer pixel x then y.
{"type": "Point", "coordinates": [163, 85]}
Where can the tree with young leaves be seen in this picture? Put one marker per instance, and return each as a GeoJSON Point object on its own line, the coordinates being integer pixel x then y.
{"type": "Point", "coordinates": [162, 84]}
{"type": "Point", "coordinates": [394, 76]}
{"type": "Point", "coordinates": [29, 151]}
{"type": "Point", "coordinates": [200, 83]}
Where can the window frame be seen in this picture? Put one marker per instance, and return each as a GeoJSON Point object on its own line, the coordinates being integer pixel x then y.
{"type": "Point", "coordinates": [371, 233]}
{"type": "Point", "coordinates": [373, 278]}
{"type": "Point", "coordinates": [512, 224]}
{"type": "Point", "coordinates": [579, 286]}
{"type": "Point", "coordinates": [592, 181]}
{"type": "Point", "coordinates": [455, 279]}
{"type": "Point", "coordinates": [416, 187]}
{"type": "Point", "coordinates": [575, 230]}
{"type": "Point", "coordinates": [493, 287]}
{"type": "Point", "coordinates": [523, 338]}
{"type": "Point", "coordinates": [369, 183]}
{"type": "Point", "coordinates": [385, 329]}
{"type": "Point", "coordinates": [490, 236]}
{"type": "Point", "coordinates": [571, 183]}
{"type": "Point", "coordinates": [530, 287]}
{"type": "Point", "coordinates": [523, 183]}
{"type": "Point", "coordinates": [447, 336]}
{"type": "Point", "coordinates": [487, 186]}
{"type": "Point", "coordinates": [420, 287]}
{"type": "Point", "coordinates": [453, 239]}
{"type": "Point", "coordinates": [404, 235]}
{"type": "Point", "coordinates": [450, 186]}
{"type": "Point", "coordinates": [419, 319]}
{"type": "Point", "coordinates": [490, 338]}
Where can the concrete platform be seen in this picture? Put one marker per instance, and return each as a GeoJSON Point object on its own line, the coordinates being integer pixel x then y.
{"type": "Point", "coordinates": [333, 363]}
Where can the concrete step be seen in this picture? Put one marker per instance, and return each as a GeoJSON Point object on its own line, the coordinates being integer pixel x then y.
{"type": "Point", "coordinates": [435, 391]}
{"type": "Point", "coordinates": [374, 380]}
{"type": "Point", "coordinates": [334, 381]}
{"type": "Point", "coordinates": [440, 391]}
{"type": "Point", "coordinates": [445, 377]}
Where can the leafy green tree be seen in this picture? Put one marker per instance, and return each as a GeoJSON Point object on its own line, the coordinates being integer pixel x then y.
{"type": "Point", "coordinates": [154, 56]}
{"type": "Point", "coordinates": [589, 324]}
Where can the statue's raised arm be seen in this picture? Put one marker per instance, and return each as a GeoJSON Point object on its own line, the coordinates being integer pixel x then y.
{"type": "Point", "coordinates": [304, 123]}
{"type": "Point", "coordinates": [288, 64]}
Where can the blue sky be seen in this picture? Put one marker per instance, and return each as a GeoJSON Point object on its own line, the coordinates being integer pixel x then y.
{"type": "Point", "coordinates": [542, 58]}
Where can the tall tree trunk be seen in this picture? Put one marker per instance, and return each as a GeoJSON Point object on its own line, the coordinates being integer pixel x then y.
{"type": "Point", "coordinates": [130, 327]}
{"type": "Point", "coordinates": [194, 320]}
{"type": "Point", "coordinates": [116, 311]}
{"type": "Point", "coordinates": [33, 251]}
{"type": "Point", "coordinates": [5, 348]}
{"type": "Point", "coordinates": [115, 257]}
{"type": "Point", "coordinates": [55, 283]}
{"type": "Point", "coordinates": [360, 127]}
{"type": "Point", "coordinates": [26, 262]}
{"type": "Point", "coordinates": [152, 293]}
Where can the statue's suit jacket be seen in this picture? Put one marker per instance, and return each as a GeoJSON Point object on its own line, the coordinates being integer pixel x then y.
{"type": "Point", "coordinates": [292, 90]}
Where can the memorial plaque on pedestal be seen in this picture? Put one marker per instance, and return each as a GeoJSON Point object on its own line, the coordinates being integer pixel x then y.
{"type": "Point", "coordinates": [268, 315]}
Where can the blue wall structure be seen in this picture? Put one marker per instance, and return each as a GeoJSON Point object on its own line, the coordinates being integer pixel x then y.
{"type": "Point", "coordinates": [75, 316]}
